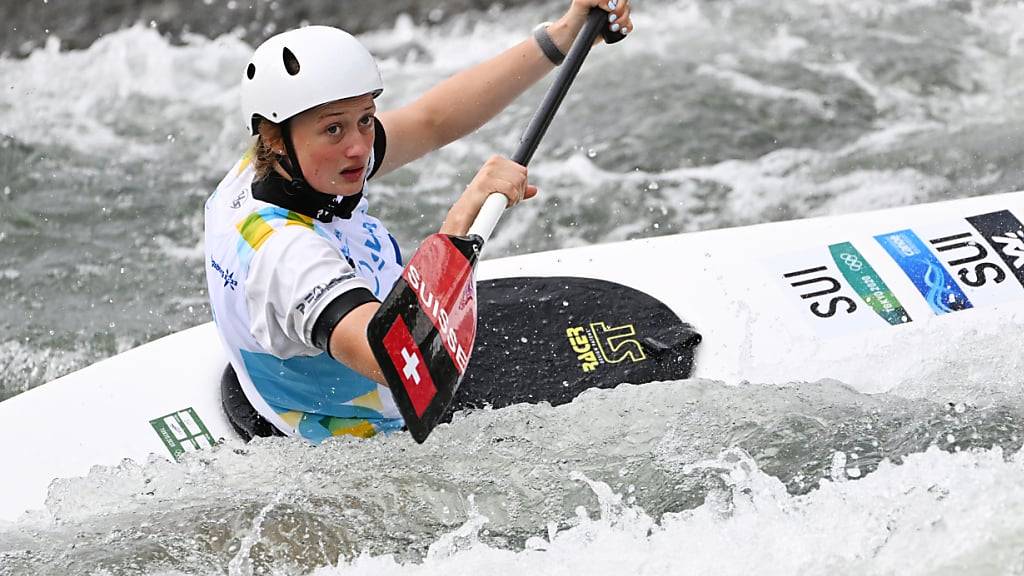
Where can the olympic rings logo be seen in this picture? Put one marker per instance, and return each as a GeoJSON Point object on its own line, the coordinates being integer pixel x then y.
{"type": "Point", "coordinates": [852, 261]}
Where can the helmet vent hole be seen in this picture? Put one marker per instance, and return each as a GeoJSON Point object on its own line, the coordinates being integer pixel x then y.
{"type": "Point", "coordinates": [250, 71]}
{"type": "Point", "coordinates": [291, 63]}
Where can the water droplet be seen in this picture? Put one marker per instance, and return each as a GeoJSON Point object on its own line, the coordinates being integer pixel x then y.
{"type": "Point", "coordinates": [565, 302]}
{"type": "Point", "coordinates": [170, 137]}
{"type": "Point", "coordinates": [950, 438]}
{"type": "Point", "coordinates": [960, 408]}
{"type": "Point", "coordinates": [853, 472]}
{"type": "Point", "coordinates": [591, 153]}
{"type": "Point", "coordinates": [523, 340]}
{"type": "Point", "coordinates": [653, 186]}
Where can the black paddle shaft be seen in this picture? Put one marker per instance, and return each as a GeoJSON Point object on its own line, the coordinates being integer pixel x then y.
{"type": "Point", "coordinates": [422, 335]}
{"type": "Point", "coordinates": [538, 126]}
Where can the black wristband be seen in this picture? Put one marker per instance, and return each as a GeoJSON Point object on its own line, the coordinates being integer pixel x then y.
{"type": "Point", "coordinates": [547, 45]}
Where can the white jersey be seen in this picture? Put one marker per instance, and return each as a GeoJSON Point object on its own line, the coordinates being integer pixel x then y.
{"type": "Point", "coordinates": [270, 273]}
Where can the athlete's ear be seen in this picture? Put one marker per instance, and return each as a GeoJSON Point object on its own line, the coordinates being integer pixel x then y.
{"type": "Point", "coordinates": [270, 134]}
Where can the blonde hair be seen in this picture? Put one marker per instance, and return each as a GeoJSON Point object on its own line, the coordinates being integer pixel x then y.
{"type": "Point", "coordinates": [263, 155]}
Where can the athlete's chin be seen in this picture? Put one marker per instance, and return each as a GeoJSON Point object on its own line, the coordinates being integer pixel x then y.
{"type": "Point", "coordinates": [342, 188]}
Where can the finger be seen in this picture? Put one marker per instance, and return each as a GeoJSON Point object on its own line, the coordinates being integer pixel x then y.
{"type": "Point", "coordinates": [616, 7]}
{"type": "Point", "coordinates": [626, 21]}
{"type": "Point", "coordinates": [531, 191]}
{"type": "Point", "coordinates": [618, 17]}
{"type": "Point", "coordinates": [519, 189]}
{"type": "Point", "coordinates": [508, 190]}
{"type": "Point", "coordinates": [626, 25]}
{"type": "Point", "coordinates": [513, 172]}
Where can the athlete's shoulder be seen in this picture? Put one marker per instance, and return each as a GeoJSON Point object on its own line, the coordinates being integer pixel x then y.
{"type": "Point", "coordinates": [236, 186]}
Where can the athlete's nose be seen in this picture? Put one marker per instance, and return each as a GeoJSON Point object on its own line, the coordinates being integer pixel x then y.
{"type": "Point", "coordinates": [357, 147]}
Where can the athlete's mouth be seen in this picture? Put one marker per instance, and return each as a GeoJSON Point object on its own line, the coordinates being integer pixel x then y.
{"type": "Point", "coordinates": [352, 173]}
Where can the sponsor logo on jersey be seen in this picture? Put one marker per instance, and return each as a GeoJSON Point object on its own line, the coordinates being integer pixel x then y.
{"type": "Point", "coordinates": [228, 277]}
{"type": "Point", "coordinates": [597, 344]}
{"type": "Point", "coordinates": [317, 293]}
{"type": "Point", "coordinates": [926, 272]}
{"type": "Point", "coordinates": [237, 202]}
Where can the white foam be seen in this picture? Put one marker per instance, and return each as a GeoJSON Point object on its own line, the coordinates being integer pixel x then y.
{"type": "Point", "coordinates": [741, 82]}
{"type": "Point", "coordinates": [937, 513]}
{"type": "Point", "coordinates": [132, 89]}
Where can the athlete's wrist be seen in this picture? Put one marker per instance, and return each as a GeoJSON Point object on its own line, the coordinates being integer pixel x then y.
{"type": "Point", "coordinates": [563, 32]}
{"type": "Point", "coordinates": [457, 221]}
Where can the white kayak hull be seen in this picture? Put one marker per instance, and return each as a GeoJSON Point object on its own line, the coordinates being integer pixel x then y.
{"type": "Point", "coordinates": [841, 297]}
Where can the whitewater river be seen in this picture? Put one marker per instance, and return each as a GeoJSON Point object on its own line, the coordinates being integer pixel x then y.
{"type": "Point", "coordinates": [719, 113]}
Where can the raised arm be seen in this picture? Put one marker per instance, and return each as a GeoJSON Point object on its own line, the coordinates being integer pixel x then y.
{"type": "Point", "coordinates": [467, 100]}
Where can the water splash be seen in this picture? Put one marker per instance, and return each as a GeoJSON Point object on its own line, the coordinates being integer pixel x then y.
{"type": "Point", "coordinates": [674, 447]}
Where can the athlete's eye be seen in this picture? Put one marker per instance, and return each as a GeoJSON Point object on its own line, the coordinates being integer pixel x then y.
{"type": "Point", "coordinates": [366, 120]}
{"type": "Point", "coordinates": [333, 130]}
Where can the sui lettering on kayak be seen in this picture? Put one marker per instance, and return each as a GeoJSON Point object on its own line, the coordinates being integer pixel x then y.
{"type": "Point", "coordinates": [818, 283]}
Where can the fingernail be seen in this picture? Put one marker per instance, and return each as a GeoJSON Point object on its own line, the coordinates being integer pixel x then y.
{"type": "Point", "coordinates": [612, 5]}
{"type": "Point", "coordinates": [624, 31]}
{"type": "Point", "coordinates": [615, 27]}
{"type": "Point", "coordinates": [613, 17]}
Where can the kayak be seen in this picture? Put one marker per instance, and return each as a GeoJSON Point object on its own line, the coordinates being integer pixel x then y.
{"type": "Point", "coordinates": [841, 297]}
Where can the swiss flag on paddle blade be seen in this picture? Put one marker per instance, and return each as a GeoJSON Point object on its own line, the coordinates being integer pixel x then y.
{"type": "Point", "coordinates": [423, 334]}
{"type": "Point", "coordinates": [405, 355]}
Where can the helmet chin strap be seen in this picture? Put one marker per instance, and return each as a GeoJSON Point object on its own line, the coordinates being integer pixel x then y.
{"type": "Point", "coordinates": [298, 184]}
{"type": "Point", "coordinates": [328, 206]}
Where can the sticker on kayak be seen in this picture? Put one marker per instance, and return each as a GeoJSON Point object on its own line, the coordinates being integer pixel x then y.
{"type": "Point", "coordinates": [838, 291]}
{"type": "Point", "coordinates": [964, 263]}
{"type": "Point", "coordinates": [182, 431]}
{"type": "Point", "coordinates": [931, 279]}
{"type": "Point", "coordinates": [1005, 233]}
{"type": "Point", "coordinates": [597, 344]}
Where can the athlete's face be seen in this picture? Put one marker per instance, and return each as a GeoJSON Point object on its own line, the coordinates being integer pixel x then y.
{"type": "Point", "coordinates": [333, 143]}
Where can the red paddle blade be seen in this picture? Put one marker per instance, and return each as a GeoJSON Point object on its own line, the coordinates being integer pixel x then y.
{"type": "Point", "coordinates": [423, 334]}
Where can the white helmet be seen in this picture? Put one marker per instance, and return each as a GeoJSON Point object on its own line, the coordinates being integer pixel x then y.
{"type": "Point", "coordinates": [332, 65]}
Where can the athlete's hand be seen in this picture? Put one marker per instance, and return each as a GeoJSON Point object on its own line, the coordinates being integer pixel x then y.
{"type": "Point", "coordinates": [498, 174]}
{"type": "Point", "coordinates": [565, 30]}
